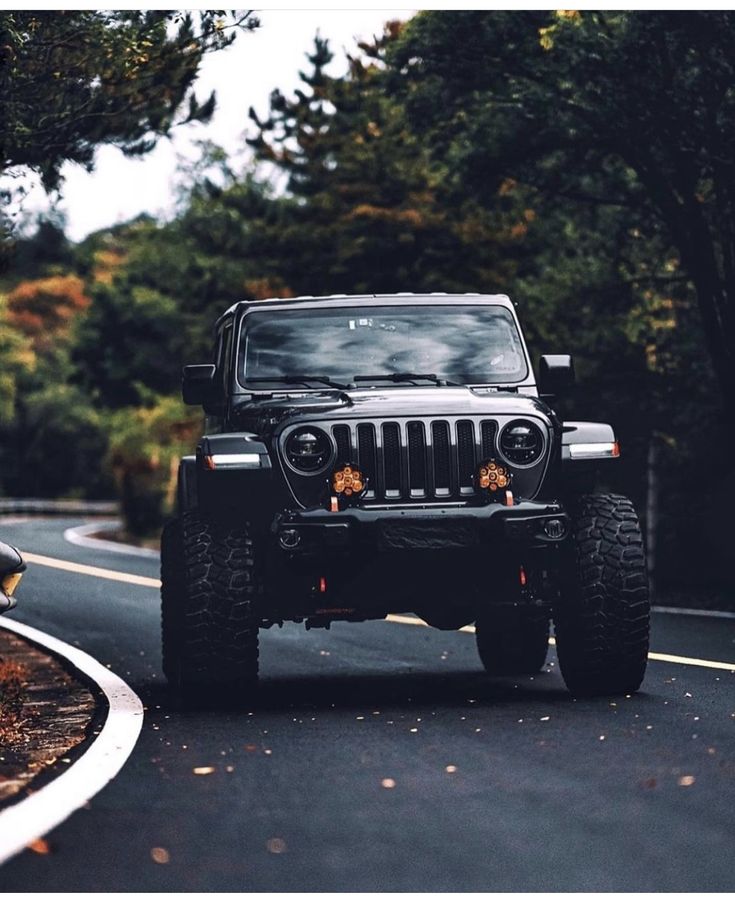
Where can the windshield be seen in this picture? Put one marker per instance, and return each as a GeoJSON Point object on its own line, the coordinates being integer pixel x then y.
{"type": "Point", "coordinates": [466, 344]}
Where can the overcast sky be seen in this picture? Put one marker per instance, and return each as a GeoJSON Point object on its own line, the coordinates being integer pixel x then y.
{"type": "Point", "coordinates": [243, 75]}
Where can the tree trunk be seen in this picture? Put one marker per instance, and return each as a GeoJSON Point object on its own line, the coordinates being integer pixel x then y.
{"type": "Point", "coordinates": [714, 302]}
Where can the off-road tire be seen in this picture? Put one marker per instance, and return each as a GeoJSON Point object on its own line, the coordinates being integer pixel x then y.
{"type": "Point", "coordinates": [513, 639]}
{"type": "Point", "coordinates": [602, 619]}
{"type": "Point", "coordinates": [209, 627]}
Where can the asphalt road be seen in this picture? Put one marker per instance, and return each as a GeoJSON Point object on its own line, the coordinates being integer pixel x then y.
{"type": "Point", "coordinates": [548, 794]}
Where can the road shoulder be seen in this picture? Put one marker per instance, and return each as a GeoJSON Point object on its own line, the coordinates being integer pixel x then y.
{"type": "Point", "coordinates": [45, 713]}
{"type": "Point", "coordinates": [94, 762]}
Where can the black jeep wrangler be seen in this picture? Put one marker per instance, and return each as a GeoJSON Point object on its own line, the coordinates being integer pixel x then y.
{"type": "Point", "coordinates": [396, 453]}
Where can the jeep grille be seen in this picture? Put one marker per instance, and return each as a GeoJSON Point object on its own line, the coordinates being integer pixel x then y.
{"type": "Point", "coordinates": [412, 460]}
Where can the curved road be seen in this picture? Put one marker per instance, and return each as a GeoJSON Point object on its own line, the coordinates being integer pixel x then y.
{"type": "Point", "coordinates": [339, 779]}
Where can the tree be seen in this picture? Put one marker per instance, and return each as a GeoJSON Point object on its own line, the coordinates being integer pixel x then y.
{"type": "Point", "coordinates": [129, 343]}
{"type": "Point", "coordinates": [629, 109]}
{"type": "Point", "coordinates": [146, 445]}
{"type": "Point", "coordinates": [367, 209]}
{"type": "Point", "coordinates": [43, 309]}
{"type": "Point", "coordinates": [70, 81]}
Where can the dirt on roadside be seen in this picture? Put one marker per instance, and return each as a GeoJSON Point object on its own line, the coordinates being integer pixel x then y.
{"type": "Point", "coordinates": [44, 713]}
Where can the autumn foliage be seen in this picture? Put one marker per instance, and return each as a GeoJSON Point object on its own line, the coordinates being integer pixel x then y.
{"type": "Point", "coordinates": [44, 309]}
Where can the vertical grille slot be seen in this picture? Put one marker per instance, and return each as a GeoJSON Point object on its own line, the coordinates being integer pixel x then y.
{"type": "Point", "coordinates": [465, 455]}
{"type": "Point", "coordinates": [416, 460]}
{"type": "Point", "coordinates": [489, 429]}
{"type": "Point", "coordinates": [344, 444]}
{"type": "Point", "coordinates": [366, 458]}
{"type": "Point", "coordinates": [442, 468]}
{"type": "Point", "coordinates": [392, 460]}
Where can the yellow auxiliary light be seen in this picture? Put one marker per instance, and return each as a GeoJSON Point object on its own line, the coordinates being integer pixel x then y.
{"type": "Point", "coordinates": [348, 481]}
{"type": "Point", "coordinates": [492, 477]}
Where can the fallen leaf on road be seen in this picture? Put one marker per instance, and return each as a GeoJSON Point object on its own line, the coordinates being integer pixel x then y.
{"type": "Point", "coordinates": [686, 781]}
{"type": "Point", "coordinates": [160, 855]}
{"type": "Point", "coordinates": [203, 770]}
{"type": "Point", "coordinates": [388, 783]}
{"type": "Point", "coordinates": [40, 846]}
{"type": "Point", "coordinates": [276, 846]}
{"type": "Point", "coordinates": [450, 768]}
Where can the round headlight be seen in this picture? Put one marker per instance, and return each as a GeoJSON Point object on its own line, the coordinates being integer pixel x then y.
{"type": "Point", "coordinates": [309, 450]}
{"type": "Point", "coordinates": [521, 443]}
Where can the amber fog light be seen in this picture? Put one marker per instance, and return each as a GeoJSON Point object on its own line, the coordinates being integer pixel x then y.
{"type": "Point", "coordinates": [348, 481]}
{"type": "Point", "coordinates": [492, 477]}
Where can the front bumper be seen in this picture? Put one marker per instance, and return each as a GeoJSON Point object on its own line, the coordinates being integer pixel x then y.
{"type": "Point", "coordinates": [526, 524]}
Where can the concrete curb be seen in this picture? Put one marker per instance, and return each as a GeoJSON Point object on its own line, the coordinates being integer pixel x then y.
{"type": "Point", "coordinates": [38, 814]}
{"type": "Point", "coordinates": [84, 536]}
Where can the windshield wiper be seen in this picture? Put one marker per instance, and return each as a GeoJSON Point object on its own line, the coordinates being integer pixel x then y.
{"type": "Point", "coordinates": [298, 380]}
{"type": "Point", "coordinates": [407, 376]}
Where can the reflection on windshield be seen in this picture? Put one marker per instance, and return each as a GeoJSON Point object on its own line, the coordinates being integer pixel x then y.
{"type": "Point", "coordinates": [460, 343]}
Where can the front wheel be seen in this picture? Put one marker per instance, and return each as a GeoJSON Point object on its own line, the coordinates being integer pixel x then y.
{"type": "Point", "coordinates": [602, 620]}
{"type": "Point", "coordinates": [209, 625]}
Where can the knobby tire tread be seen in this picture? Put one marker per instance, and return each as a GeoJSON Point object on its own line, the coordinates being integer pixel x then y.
{"type": "Point", "coordinates": [602, 620]}
{"type": "Point", "coordinates": [208, 605]}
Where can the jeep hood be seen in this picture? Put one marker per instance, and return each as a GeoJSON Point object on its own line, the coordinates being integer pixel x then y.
{"type": "Point", "coordinates": [385, 403]}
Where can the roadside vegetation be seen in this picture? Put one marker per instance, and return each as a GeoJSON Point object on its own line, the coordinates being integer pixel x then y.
{"type": "Point", "coordinates": [580, 161]}
{"type": "Point", "coordinates": [12, 682]}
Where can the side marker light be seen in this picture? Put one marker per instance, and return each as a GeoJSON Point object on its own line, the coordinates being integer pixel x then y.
{"type": "Point", "coordinates": [592, 450]}
{"type": "Point", "coordinates": [212, 461]}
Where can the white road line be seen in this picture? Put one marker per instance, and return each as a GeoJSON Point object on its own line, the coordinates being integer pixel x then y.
{"type": "Point", "coordinates": [84, 536]}
{"type": "Point", "coordinates": [42, 811]}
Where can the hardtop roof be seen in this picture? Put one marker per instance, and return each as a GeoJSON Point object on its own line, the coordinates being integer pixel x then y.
{"type": "Point", "coordinates": [340, 299]}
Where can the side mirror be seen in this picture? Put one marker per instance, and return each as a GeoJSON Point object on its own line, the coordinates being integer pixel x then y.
{"type": "Point", "coordinates": [556, 374]}
{"type": "Point", "coordinates": [11, 569]}
{"type": "Point", "coordinates": [197, 385]}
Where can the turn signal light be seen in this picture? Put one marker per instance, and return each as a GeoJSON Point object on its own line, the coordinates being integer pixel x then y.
{"type": "Point", "coordinates": [492, 477]}
{"type": "Point", "coordinates": [348, 481]}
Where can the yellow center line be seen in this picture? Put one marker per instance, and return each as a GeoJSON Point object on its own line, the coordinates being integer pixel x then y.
{"type": "Point", "coordinates": [688, 660]}
{"type": "Point", "coordinates": [153, 582]}
{"type": "Point", "coordinates": [654, 657]}
{"type": "Point", "coordinates": [90, 571]}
